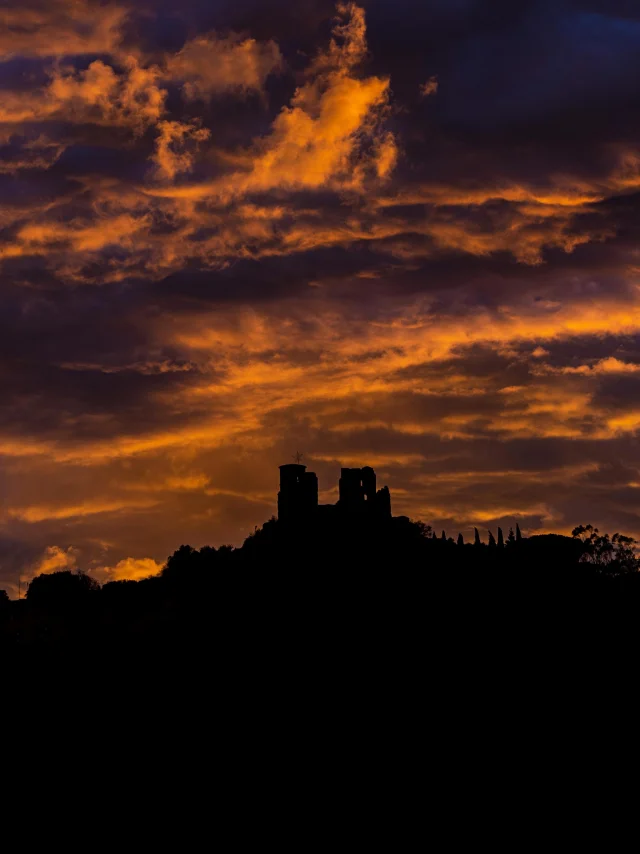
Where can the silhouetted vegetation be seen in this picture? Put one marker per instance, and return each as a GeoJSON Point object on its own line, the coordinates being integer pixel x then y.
{"type": "Point", "coordinates": [391, 565]}
{"type": "Point", "coordinates": [61, 589]}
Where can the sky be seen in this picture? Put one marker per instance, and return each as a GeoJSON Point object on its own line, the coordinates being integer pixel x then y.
{"type": "Point", "coordinates": [401, 233]}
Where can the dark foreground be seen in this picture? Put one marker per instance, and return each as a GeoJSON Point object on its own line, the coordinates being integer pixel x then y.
{"type": "Point", "coordinates": [315, 587]}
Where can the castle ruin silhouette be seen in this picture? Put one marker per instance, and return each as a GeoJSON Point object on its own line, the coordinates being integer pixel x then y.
{"type": "Point", "coordinates": [298, 495]}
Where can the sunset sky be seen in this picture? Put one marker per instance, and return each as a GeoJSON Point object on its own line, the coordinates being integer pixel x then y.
{"type": "Point", "coordinates": [401, 233]}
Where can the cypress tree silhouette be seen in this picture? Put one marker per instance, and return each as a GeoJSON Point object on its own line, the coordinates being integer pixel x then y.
{"type": "Point", "coordinates": [500, 539]}
{"type": "Point", "coordinates": [518, 534]}
{"type": "Point", "coordinates": [443, 537]}
{"type": "Point", "coordinates": [477, 541]}
{"type": "Point", "coordinates": [492, 540]}
{"type": "Point", "coordinates": [511, 538]}
{"type": "Point", "coordinates": [460, 540]}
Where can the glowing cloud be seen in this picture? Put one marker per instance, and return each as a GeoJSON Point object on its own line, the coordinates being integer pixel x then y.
{"type": "Point", "coordinates": [128, 569]}
{"type": "Point", "coordinates": [60, 28]}
{"type": "Point", "coordinates": [210, 65]}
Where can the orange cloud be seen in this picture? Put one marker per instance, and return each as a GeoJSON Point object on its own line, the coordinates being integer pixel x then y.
{"type": "Point", "coordinates": [100, 94]}
{"type": "Point", "coordinates": [430, 87]}
{"type": "Point", "coordinates": [315, 139]}
{"type": "Point", "coordinates": [60, 28]}
{"type": "Point", "coordinates": [176, 147]}
{"type": "Point", "coordinates": [56, 559]}
{"type": "Point", "coordinates": [209, 65]}
{"type": "Point", "coordinates": [130, 98]}
{"type": "Point", "coordinates": [53, 559]}
{"type": "Point", "coordinates": [348, 45]}
{"type": "Point", "coordinates": [128, 569]}
{"type": "Point", "coordinates": [610, 365]}
{"type": "Point", "coordinates": [53, 239]}
{"type": "Point", "coordinates": [39, 153]}
{"type": "Point", "coordinates": [40, 513]}
{"type": "Point", "coordinates": [318, 140]}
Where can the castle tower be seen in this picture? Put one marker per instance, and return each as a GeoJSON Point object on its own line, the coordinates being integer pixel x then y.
{"type": "Point", "coordinates": [298, 496]}
{"type": "Point", "coordinates": [368, 478]}
{"type": "Point", "coordinates": [351, 492]}
{"type": "Point", "coordinates": [383, 503]}
{"type": "Point", "coordinates": [358, 493]}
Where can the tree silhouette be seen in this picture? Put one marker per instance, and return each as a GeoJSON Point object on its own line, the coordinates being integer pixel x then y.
{"type": "Point", "coordinates": [61, 588]}
{"type": "Point", "coordinates": [182, 562]}
{"type": "Point", "coordinates": [423, 529]}
{"type": "Point", "coordinates": [612, 555]}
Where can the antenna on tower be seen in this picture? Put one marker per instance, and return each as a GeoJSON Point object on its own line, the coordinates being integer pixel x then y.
{"type": "Point", "coordinates": [298, 457]}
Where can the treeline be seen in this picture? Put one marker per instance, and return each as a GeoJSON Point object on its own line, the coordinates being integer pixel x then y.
{"type": "Point", "coordinates": [298, 568]}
